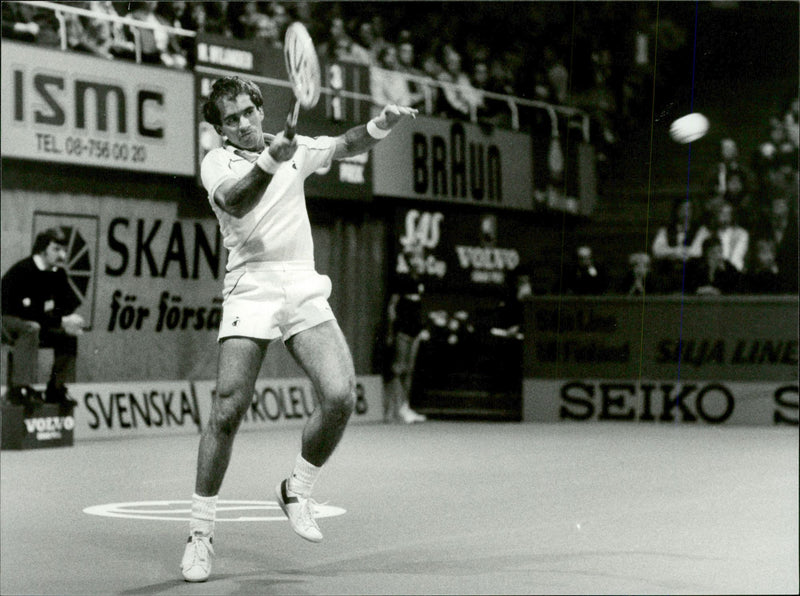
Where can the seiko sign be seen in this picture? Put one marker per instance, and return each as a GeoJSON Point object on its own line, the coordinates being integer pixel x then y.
{"type": "Point", "coordinates": [661, 402]}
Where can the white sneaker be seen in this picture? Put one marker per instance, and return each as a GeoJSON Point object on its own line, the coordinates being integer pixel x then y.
{"type": "Point", "coordinates": [409, 416]}
{"type": "Point", "coordinates": [300, 512]}
{"type": "Point", "coordinates": [196, 563]}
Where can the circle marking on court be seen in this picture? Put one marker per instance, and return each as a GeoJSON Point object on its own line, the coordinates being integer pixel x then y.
{"type": "Point", "coordinates": [227, 511]}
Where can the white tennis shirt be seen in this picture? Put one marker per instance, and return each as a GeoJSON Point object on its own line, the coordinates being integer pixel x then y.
{"type": "Point", "coordinates": [277, 228]}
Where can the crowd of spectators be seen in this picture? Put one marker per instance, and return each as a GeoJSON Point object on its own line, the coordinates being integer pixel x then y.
{"type": "Point", "coordinates": [739, 235]}
{"type": "Point", "coordinates": [435, 75]}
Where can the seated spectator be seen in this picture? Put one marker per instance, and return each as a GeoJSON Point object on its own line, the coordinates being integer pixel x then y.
{"type": "Point", "coordinates": [110, 33]}
{"type": "Point", "coordinates": [156, 43]}
{"type": "Point", "coordinates": [780, 226]}
{"type": "Point", "coordinates": [557, 75]}
{"type": "Point", "coordinates": [763, 276]}
{"type": "Point", "coordinates": [170, 14]}
{"type": "Point", "coordinates": [371, 42]}
{"type": "Point", "coordinates": [432, 69]}
{"type": "Point", "coordinates": [490, 110]}
{"type": "Point", "coordinates": [457, 90]}
{"type": "Point", "coordinates": [791, 123]}
{"type": "Point", "coordinates": [585, 277]}
{"type": "Point", "coordinates": [387, 84]}
{"type": "Point", "coordinates": [241, 18]}
{"type": "Point", "coordinates": [536, 120]}
{"type": "Point", "coordinates": [81, 35]}
{"type": "Point", "coordinates": [266, 32]}
{"type": "Point", "coordinates": [772, 155]}
{"type": "Point", "coordinates": [730, 179]}
{"type": "Point", "coordinates": [277, 12]}
{"type": "Point", "coordinates": [18, 22]}
{"type": "Point", "coordinates": [734, 238]}
{"type": "Point", "coordinates": [712, 274]}
{"type": "Point", "coordinates": [406, 65]}
{"type": "Point", "coordinates": [26, 22]}
{"type": "Point", "coordinates": [193, 19]}
{"type": "Point", "coordinates": [639, 279]}
{"type": "Point", "coordinates": [542, 91]}
{"type": "Point", "coordinates": [216, 18]}
{"type": "Point", "coordinates": [39, 311]}
{"type": "Point", "coordinates": [674, 244]}
{"type": "Point", "coordinates": [340, 46]}
{"type": "Point", "coordinates": [599, 102]}
{"type": "Point", "coordinates": [479, 79]}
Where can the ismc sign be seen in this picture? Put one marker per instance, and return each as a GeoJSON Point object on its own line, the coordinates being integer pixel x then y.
{"type": "Point", "coordinates": [68, 108]}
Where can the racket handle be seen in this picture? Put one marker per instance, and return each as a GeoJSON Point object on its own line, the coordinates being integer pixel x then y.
{"type": "Point", "coordinates": [291, 121]}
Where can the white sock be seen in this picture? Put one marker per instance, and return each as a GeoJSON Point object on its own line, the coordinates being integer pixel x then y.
{"type": "Point", "coordinates": [204, 512]}
{"type": "Point", "coordinates": [303, 477]}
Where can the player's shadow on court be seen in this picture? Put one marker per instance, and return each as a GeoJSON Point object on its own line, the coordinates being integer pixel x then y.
{"type": "Point", "coordinates": [235, 584]}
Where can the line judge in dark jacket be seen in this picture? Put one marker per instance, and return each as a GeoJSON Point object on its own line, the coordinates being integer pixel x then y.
{"type": "Point", "coordinates": [39, 311]}
{"type": "Point", "coordinates": [712, 274]}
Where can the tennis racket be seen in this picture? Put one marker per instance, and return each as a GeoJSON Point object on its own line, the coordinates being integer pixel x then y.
{"type": "Point", "coordinates": [302, 67]}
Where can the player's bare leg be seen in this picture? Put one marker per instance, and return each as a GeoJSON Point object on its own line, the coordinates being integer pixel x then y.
{"type": "Point", "coordinates": [323, 353]}
{"type": "Point", "coordinates": [239, 362]}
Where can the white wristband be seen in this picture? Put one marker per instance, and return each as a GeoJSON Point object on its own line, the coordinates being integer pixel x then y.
{"type": "Point", "coordinates": [266, 162]}
{"type": "Point", "coordinates": [375, 132]}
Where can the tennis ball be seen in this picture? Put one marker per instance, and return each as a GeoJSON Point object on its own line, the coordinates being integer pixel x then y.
{"type": "Point", "coordinates": [688, 128]}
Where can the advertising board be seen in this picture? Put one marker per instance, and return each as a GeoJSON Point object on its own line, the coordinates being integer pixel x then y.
{"type": "Point", "coordinates": [66, 107]}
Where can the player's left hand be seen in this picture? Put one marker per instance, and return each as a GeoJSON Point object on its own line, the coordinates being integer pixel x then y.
{"type": "Point", "coordinates": [73, 324]}
{"type": "Point", "coordinates": [392, 114]}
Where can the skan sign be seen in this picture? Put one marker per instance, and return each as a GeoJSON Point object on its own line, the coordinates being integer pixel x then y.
{"type": "Point", "coordinates": [68, 108]}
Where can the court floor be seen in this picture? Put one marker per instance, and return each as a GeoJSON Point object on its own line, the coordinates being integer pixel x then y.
{"type": "Point", "coordinates": [436, 508]}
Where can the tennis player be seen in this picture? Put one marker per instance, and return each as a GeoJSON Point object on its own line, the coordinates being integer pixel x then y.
{"type": "Point", "coordinates": [271, 291]}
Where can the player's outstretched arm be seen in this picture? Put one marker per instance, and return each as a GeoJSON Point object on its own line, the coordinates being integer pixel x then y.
{"type": "Point", "coordinates": [365, 136]}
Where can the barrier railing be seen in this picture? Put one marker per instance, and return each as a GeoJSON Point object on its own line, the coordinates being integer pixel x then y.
{"type": "Point", "coordinates": [134, 25]}
{"type": "Point", "coordinates": [514, 103]}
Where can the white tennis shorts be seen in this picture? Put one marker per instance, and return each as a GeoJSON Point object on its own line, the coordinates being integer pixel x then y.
{"type": "Point", "coordinates": [274, 299]}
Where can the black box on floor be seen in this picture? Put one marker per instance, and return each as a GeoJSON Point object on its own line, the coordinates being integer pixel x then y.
{"type": "Point", "coordinates": [37, 426]}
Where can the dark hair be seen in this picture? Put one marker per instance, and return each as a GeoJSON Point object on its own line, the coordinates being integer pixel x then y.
{"type": "Point", "coordinates": [674, 213]}
{"type": "Point", "coordinates": [675, 219]}
{"type": "Point", "coordinates": [384, 51]}
{"type": "Point", "coordinates": [47, 237]}
{"type": "Point", "coordinates": [711, 242]}
{"type": "Point", "coordinates": [229, 88]}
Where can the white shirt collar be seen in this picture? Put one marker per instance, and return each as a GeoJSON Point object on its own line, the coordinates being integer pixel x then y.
{"type": "Point", "coordinates": [40, 264]}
